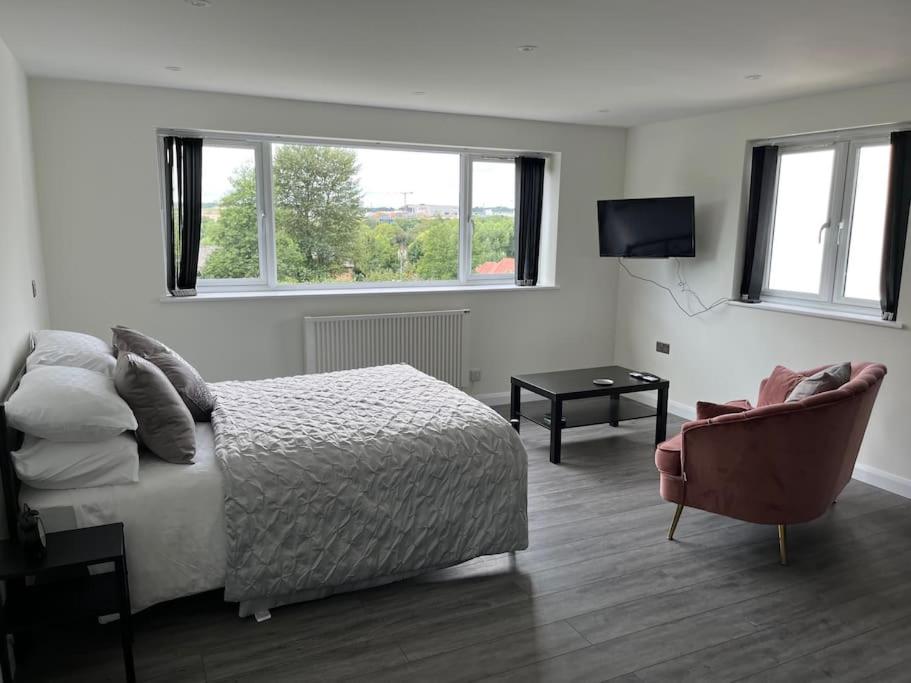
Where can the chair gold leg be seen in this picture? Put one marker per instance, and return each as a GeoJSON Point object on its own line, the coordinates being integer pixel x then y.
{"type": "Point", "coordinates": [783, 543]}
{"type": "Point", "coordinates": [677, 513]}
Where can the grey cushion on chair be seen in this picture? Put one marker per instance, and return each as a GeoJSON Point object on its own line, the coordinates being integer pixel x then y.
{"type": "Point", "coordinates": [165, 425]}
{"type": "Point", "coordinates": [189, 384]}
{"type": "Point", "coordinates": [824, 380]}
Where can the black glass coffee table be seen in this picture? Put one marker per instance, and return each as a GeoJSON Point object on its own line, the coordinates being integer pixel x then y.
{"type": "Point", "coordinates": [587, 403]}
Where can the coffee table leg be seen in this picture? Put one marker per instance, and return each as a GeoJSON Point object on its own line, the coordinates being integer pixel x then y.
{"type": "Point", "coordinates": [515, 405]}
{"type": "Point", "coordinates": [556, 426]}
{"type": "Point", "coordinates": [661, 418]}
{"type": "Point", "coordinates": [613, 415]}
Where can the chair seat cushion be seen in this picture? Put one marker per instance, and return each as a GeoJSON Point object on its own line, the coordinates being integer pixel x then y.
{"type": "Point", "coordinates": [667, 455]}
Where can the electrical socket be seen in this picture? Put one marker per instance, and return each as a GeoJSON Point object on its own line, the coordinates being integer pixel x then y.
{"type": "Point", "coordinates": [663, 347]}
{"type": "Point", "coordinates": [474, 374]}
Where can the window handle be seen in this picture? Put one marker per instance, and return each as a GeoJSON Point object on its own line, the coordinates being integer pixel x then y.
{"type": "Point", "coordinates": [825, 226]}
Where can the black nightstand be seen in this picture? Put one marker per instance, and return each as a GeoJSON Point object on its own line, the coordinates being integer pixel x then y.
{"type": "Point", "coordinates": [63, 590]}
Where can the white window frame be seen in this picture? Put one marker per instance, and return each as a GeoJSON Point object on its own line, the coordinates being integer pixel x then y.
{"type": "Point", "coordinates": [467, 237]}
{"type": "Point", "coordinates": [837, 229]}
{"type": "Point", "coordinates": [268, 280]}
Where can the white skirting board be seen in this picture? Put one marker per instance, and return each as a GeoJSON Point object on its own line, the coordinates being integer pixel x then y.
{"type": "Point", "coordinates": [883, 480]}
{"type": "Point", "coordinates": [865, 473]}
{"type": "Point", "coordinates": [673, 407]}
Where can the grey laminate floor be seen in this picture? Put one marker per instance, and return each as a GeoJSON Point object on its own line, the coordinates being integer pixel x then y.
{"type": "Point", "coordinates": [599, 595]}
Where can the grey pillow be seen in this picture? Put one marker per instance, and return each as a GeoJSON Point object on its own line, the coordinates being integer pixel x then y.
{"type": "Point", "coordinates": [824, 380]}
{"type": "Point", "coordinates": [189, 384]}
{"type": "Point", "coordinates": [165, 425]}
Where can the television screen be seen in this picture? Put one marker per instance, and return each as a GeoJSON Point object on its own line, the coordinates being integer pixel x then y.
{"type": "Point", "coordinates": [647, 228]}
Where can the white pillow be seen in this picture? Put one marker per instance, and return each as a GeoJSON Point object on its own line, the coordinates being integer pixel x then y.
{"type": "Point", "coordinates": [47, 464]}
{"type": "Point", "coordinates": [73, 349]}
{"type": "Point", "coordinates": [68, 404]}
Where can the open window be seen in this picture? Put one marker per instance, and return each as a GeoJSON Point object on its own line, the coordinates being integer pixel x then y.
{"type": "Point", "coordinates": [231, 250]}
{"type": "Point", "coordinates": [492, 224]}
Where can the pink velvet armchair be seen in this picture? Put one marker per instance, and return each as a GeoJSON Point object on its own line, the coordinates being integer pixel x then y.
{"type": "Point", "coordinates": [783, 463]}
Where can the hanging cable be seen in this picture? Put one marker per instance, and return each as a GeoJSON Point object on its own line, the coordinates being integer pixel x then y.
{"type": "Point", "coordinates": [684, 289]}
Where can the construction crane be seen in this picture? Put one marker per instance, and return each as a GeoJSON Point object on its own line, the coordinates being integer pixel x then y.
{"type": "Point", "coordinates": [405, 199]}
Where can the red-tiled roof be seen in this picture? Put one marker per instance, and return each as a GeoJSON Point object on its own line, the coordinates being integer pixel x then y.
{"type": "Point", "coordinates": [504, 265]}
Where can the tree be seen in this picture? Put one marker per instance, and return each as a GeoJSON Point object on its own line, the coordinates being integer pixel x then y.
{"type": "Point", "coordinates": [317, 202]}
{"type": "Point", "coordinates": [321, 232]}
{"type": "Point", "coordinates": [379, 249]}
{"type": "Point", "coordinates": [435, 250]}
{"type": "Point", "coordinates": [233, 237]}
{"type": "Point", "coordinates": [318, 211]}
{"type": "Point", "coordinates": [493, 239]}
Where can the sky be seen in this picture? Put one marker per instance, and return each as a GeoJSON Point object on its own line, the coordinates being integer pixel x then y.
{"type": "Point", "coordinates": [384, 175]}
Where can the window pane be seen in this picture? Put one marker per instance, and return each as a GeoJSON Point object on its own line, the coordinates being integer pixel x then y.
{"type": "Point", "coordinates": [364, 215]}
{"type": "Point", "coordinates": [493, 198]}
{"type": "Point", "coordinates": [868, 222]}
{"type": "Point", "coordinates": [804, 184]}
{"type": "Point", "coordinates": [230, 231]}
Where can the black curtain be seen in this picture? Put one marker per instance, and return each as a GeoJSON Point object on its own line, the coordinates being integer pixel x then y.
{"type": "Point", "coordinates": [759, 220]}
{"type": "Point", "coordinates": [896, 231]}
{"type": "Point", "coordinates": [183, 208]}
{"type": "Point", "coordinates": [529, 202]}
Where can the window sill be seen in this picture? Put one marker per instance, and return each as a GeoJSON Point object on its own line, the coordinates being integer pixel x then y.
{"type": "Point", "coordinates": [820, 313]}
{"type": "Point", "coordinates": [274, 294]}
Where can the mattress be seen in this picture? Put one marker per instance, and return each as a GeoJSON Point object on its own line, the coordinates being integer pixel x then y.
{"type": "Point", "coordinates": [173, 522]}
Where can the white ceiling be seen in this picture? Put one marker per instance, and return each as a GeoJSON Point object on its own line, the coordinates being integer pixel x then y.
{"type": "Point", "coordinates": [642, 59]}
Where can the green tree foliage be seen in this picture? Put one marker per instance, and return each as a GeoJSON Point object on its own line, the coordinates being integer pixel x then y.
{"type": "Point", "coordinates": [493, 239]}
{"type": "Point", "coordinates": [317, 211]}
{"type": "Point", "coordinates": [233, 237]}
{"type": "Point", "coordinates": [435, 250]}
{"type": "Point", "coordinates": [379, 249]}
{"type": "Point", "coordinates": [322, 234]}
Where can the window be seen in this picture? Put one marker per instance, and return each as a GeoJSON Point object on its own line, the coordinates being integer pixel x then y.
{"type": "Point", "coordinates": [285, 213]}
{"type": "Point", "coordinates": [493, 220]}
{"type": "Point", "coordinates": [230, 248]}
{"type": "Point", "coordinates": [828, 221]}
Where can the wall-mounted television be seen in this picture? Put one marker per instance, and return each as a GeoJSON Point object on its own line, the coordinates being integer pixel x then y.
{"type": "Point", "coordinates": [660, 227]}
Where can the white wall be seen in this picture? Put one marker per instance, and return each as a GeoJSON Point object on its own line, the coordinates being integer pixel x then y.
{"type": "Point", "coordinates": [99, 206]}
{"type": "Point", "coordinates": [724, 353]}
{"type": "Point", "coordinates": [20, 249]}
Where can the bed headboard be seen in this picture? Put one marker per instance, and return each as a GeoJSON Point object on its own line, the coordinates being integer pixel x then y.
{"type": "Point", "coordinates": [10, 440]}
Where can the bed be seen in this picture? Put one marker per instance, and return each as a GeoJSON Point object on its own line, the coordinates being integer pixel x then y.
{"type": "Point", "coordinates": [173, 520]}
{"type": "Point", "coordinates": [310, 485]}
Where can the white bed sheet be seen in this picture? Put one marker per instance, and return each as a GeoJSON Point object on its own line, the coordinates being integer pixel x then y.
{"type": "Point", "coordinates": [174, 522]}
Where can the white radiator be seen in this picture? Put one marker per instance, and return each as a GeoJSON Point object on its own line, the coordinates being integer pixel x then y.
{"type": "Point", "coordinates": [435, 342]}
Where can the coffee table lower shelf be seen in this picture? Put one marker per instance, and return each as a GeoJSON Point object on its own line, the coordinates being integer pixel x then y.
{"type": "Point", "coordinates": [584, 412]}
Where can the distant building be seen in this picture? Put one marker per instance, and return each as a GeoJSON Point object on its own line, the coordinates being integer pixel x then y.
{"type": "Point", "coordinates": [435, 210]}
{"type": "Point", "coordinates": [505, 266]}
